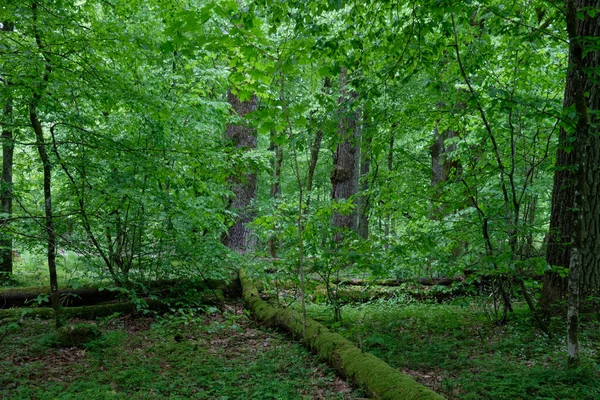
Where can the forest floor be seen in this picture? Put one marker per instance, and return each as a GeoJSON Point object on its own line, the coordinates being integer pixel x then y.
{"type": "Point", "coordinates": [203, 355]}
{"type": "Point", "coordinates": [456, 350]}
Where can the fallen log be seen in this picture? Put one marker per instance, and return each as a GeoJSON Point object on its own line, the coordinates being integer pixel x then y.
{"type": "Point", "coordinates": [398, 282]}
{"type": "Point", "coordinates": [86, 296]}
{"type": "Point", "coordinates": [87, 312]}
{"type": "Point", "coordinates": [361, 294]}
{"type": "Point", "coordinates": [364, 369]}
{"type": "Point", "coordinates": [18, 297]}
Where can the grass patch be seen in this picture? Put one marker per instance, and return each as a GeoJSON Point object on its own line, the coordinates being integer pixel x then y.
{"type": "Point", "coordinates": [457, 352]}
{"type": "Point", "coordinates": [187, 355]}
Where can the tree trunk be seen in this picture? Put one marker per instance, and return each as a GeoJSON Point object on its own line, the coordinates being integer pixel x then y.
{"type": "Point", "coordinates": [363, 198]}
{"type": "Point", "coordinates": [581, 94]}
{"type": "Point", "coordinates": [344, 177]}
{"type": "Point", "coordinates": [315, 148]}
{"type": "Point", "coordinates": [561, 217]}
{"type": "Point", "coordinates": [442, 166]}
{"type": "Point", "coordinates": [390, 165]}
{"type": "Point", "coordinates": [275, 188]}
{"type": "Point", "coordinates": [244, 187]}
{"type": "Point", "coordinates": [6, 195]}
{"type": "Point", "coordinates": [47, 168]}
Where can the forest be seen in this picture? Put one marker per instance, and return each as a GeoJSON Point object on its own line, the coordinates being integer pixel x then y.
{"type": "Point", "coordinates": [300, 199]}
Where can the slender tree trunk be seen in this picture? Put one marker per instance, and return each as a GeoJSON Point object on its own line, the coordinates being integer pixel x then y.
{"type": "Point", "coordinates": [47, 168]}
{"type": "Point", "coordinates": [244, 184]}
{"type": "Point", "coordinates": [51, 236]}
{"type": "Point", "coordinates": [315, 148]}
{"type": "Point", "coordinates": [344, 177]}
{"type": "Point", "coordinates": [275, 188]}
{"type": "Point", "coordinates": [6, 195]}
{"type": "Point", "coordinates": [390, 165]}
{"type": "Point", "coordinates": [363, 198]}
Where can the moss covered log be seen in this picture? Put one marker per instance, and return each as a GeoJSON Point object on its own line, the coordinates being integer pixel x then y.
{"type": "Point", "coordinates": [366, 370]}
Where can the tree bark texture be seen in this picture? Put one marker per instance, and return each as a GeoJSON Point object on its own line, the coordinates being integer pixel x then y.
{"type": "Point", "coordinates": [579, 162]}
{"type": "Point", "coordinates": [344, 177]}
{"type": "Point", "coordinates": [442, 166]}
{"type": "Point", "coordinates": [244, 184]}
{"type": "Point", "coordinates": [6, 195]}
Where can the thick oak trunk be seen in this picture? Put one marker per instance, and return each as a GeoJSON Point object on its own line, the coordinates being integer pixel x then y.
{"type": "Point", "coordinates": [576, 171]}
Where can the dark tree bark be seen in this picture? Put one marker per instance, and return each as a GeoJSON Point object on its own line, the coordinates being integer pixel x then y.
{"type": "Point", "coordinates": [576, 169]}
{"type": "Point", "coordinates": [561, 218]}
{"type": "Point", "coordinates": [47, 168]}
{"type": "Point", "coordinates": [582, 81]}
{"type": "Point", "coordinates": [244, 184]}
{"type": "Point", "coordinates": [6, 195]}
{"type": "Point", "coordinates": [344, 177]}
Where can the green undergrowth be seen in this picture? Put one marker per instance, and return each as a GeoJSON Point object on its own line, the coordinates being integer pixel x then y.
{"type": "Point", "coordinates": [456, 351]}
{"type": "Point", "coordinates": [185, 355]}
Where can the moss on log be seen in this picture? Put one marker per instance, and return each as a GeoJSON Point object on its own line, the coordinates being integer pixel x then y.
{"type": "Point", "coordinates": [366, 370]}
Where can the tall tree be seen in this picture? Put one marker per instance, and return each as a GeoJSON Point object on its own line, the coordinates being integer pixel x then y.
{"type": "Point", "coordinates": [244, 183]}
{"type": "Point", "coordinates": [344, 177]}
{"type": "Point", "coordinates": [442, 166]}
{"type": "Point", "coordinates": [363, 197]}
{"type": "Point", "coordinates": [574, 236]}
{"type": "Point", "coordinates": [6, 195]}
{"type": "Point", "coordinates": [582, 104]}
{"type": "Point", "coordinates": [47, 168]}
